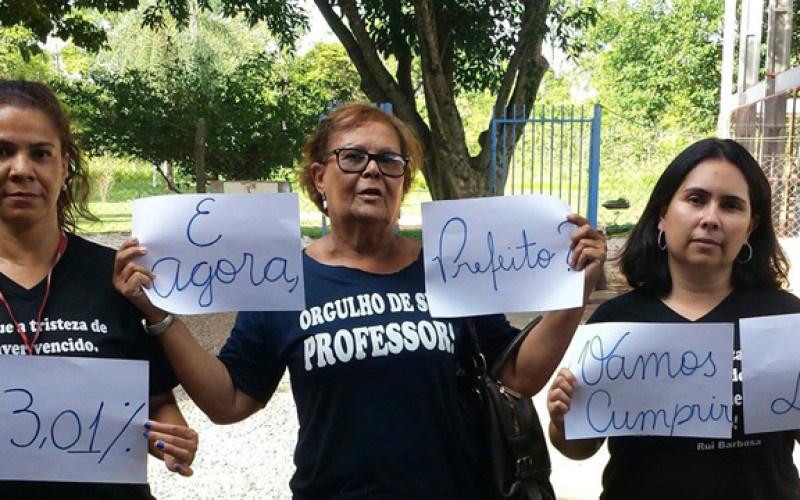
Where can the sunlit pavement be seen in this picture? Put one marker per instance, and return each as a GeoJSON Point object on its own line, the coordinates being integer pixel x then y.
{"type": "Point", "coordinates": [572, 480]}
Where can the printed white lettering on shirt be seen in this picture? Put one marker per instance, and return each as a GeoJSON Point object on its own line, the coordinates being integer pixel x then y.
{"type": "Point", "coordinates": [323, 349]}
{"type": "Point", "coordinates": [365, 304]}
{"type": "Point", "coordinates": [53, 341]}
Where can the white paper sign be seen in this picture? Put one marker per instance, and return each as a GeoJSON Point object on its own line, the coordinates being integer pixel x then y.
{"type": "Point", "coordinates": [73, 419]}
{"type": "Point", "coordinates": [501, 254]}
{"type": "Point", "coordinates": [771, 373]}
{"type": "Point", "coordinates": [651, 379]}
{"type": "Point", "coordinates": [222, 252]}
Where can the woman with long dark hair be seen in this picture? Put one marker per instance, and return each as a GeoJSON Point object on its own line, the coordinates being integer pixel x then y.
{"type": "Point", "coordinates": [704, 251]}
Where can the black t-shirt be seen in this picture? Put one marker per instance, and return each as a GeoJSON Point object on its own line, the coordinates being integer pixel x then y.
{"type": "Point", "coordinates": [374, 379]}
{"type": "Point", "coordinates": [751, 467]}
{"type": "Point", "coordinates": [84, 316]}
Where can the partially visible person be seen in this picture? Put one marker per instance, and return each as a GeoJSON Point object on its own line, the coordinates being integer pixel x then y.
{"type": "Point", "coordinates": [704, 251]}
{"type": "Point", "coordinates": [375, 386]}
{"type": "Point", "coordinates": [57, 281]}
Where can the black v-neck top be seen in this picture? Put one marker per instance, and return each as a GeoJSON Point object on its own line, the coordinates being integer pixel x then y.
{"type": "Point", "coordinates": [752, 466]}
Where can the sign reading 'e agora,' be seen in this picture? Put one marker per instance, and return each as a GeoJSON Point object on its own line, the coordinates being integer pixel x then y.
{"type": "Point", "coordinates": [222, 252]}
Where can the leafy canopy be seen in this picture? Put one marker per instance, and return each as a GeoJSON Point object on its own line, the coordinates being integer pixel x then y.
{"type": "Point", "coordinates": [658, 61]}
{"type": "Point", "coordinates": [72, 19]}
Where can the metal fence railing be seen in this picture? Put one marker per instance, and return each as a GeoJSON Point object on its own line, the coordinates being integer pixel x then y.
{"type": "Point", "coordinates": [601, 163]}
{"type": "Point", "coordinates": [632, 158]}
{"type": "Point", "coordinates": [770, 129]}
{"type": "Point", "coordinates": [553, 151]}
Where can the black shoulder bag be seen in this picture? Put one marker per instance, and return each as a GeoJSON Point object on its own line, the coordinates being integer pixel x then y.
{"type": "Point", "coordinates": [519, 463]}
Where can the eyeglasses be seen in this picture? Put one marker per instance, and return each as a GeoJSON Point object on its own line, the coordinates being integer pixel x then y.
{"type": "Point", "coordinates": [355, 161]}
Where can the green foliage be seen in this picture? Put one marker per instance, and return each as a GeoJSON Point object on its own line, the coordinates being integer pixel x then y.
{"type": "Point", "coordinates": [142, 98]}
{"type": "Point", "coordinates": [557, 89]}
{"type": "Point", "coordinates": [658, 61]}
{"type": "Point", "coordinates": [154, 116]}
{"type": "Point", "coordinates": [482, 38]}
{"type": "Point", "coordinates": [72, 19]}
{"type": "Point", "coordinates": [120, 180]}
{"type": "Point", "coordinates": [568, 20]}
{"type": "Point", "coordinates": [632, 158]}
{"type": "Point", "coordinates": [795, 53]}
{"type": "Point", "coordinates": [475, 108]}
{"type": "Point", "coordinates": [483, 35]}
{"type": "Point", "coordinates": [285, 19]}
{"type": "Point", "coordinates": [655, 67]}
{"type": "Point", "coordinates": [210, 43]}
{"type": "Point", "coordinates": [16, 60]}
{"type": "Point", "coordinates": [325, 73]}
{"type": "Point", "coordinates": [63, 19]}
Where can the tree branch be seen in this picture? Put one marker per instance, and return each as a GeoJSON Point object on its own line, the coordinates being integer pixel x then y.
{"type": "Point", "coordinates": [404, 64]}
{"type": "Point", "coordinates": [442, 111]}
{"type": "Point", "coordinates": [376, 80]}
{"type": "Point", "coordinates": [524, 71]}
{"type": "Point", "coordinates": [446, 48]}
{"type": "Point", "coordinates": [533, 26]}
{"type": "Point", "coordinates": [369, 83]}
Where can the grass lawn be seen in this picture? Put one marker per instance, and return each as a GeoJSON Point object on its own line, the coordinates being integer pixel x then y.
{"type": "Point", "coordinates": [115, 216]}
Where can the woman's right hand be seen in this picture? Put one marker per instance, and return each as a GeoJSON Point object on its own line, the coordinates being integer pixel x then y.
{"type": "Point", "coordinates": [559, 396]}
{"type": "Point", "coordinates": [559, 399]}
{"type": "Point", "coordinates": [130, 279]}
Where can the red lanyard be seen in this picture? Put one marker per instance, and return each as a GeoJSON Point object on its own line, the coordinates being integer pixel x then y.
{"type": "Point", "coordinates": [62, 245]}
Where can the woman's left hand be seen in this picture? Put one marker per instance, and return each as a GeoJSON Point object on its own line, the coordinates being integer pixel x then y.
{"type": "Point", "coordinates": [177, 445]}
{"type": "Point", "coordinates": [588, 250]}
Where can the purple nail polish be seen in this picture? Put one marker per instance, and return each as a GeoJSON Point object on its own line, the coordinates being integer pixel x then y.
{"type": "Point", "coordinates": [179, 468]}
{"type": "Point", "coordinates": [160, 445]}
{"type": "Point", "coordinates": [146, 434]}
{"type": "Point", "coordinates": [147, 425]}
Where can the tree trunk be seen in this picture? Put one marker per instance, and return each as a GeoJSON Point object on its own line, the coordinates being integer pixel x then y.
{"type": "Point", "coordinates": [449, 170]}
{"type": "Point", "coordinates": [200, 155]}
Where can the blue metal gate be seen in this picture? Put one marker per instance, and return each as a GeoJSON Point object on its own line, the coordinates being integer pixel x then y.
{"type": "Point", "coordinates": [555, 152]}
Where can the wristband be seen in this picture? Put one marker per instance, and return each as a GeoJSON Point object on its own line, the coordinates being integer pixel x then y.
{"type": "Point", "coordinates": [160, 327]}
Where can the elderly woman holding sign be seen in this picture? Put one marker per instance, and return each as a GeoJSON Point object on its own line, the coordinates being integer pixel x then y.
{"type": "Point", "coordinates": [57, 299]}
{"type": "Point", "coordinates": [379, 417]}
{"type": "Point", "coordinates": [703, 251]}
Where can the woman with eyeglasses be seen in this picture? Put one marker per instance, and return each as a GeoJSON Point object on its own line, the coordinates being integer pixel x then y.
{"type": "Point", "coordinates": [373, 374]}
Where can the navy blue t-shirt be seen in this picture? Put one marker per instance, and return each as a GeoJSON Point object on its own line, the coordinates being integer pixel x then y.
{"type": "Point", "coordinates": [374, 379]}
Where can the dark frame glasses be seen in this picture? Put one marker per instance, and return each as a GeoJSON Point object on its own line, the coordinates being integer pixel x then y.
{"type": "Point", "coordinates": [355, 161]}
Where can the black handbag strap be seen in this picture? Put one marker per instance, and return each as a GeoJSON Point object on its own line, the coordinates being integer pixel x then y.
{"type": "Point", "coordinates": [509, 352]}
{"type": "Point", "coordinates": [519, 443]}
{"type": "Point", "coordinates": [511, 349]}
